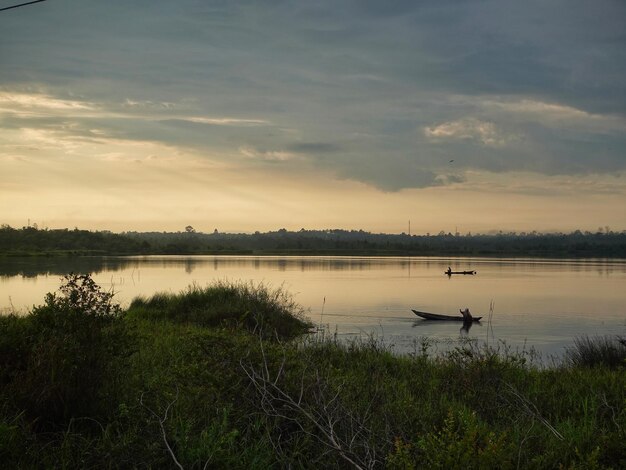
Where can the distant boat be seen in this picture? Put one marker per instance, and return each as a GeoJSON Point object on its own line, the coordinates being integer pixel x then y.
{"type": "Point", "coordinates": [450, 273]}
{"type": "Point", "coordinates": [436, 316]}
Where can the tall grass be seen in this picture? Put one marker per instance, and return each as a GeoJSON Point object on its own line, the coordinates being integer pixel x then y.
{"type": "Point", "coordinates": [255, 307]}
{"type": "Point", "coordinates": [608, 351]}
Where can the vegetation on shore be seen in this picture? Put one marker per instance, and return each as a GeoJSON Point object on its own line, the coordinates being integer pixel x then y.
{"type": "Point", "coordinates": [29, 241]}
{"type": "Point", "coordinates": [221, 377]}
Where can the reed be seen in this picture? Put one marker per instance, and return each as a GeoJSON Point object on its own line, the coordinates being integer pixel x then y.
{"type": "Point", "coordinates": [607, 351]}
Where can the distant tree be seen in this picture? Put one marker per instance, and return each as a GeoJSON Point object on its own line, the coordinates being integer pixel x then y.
{"type": "Point", "coordinates": [190, 229]}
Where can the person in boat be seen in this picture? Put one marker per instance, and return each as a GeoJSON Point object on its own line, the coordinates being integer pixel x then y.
{"type": "Point", "coordinates": [467, 316]}
{"type": "Point", "coordinates": [449, 271]}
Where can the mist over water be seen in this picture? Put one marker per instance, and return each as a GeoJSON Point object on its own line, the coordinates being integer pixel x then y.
{"type": "Point", "coordinates": [537, 304]}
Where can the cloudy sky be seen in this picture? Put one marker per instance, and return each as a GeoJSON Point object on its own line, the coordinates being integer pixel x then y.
{"type": "Point", "coordinates": [256, 115]}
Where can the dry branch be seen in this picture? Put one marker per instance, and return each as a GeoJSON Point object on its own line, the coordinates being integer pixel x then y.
{"type": "Point", "coordinates": [327, 415]}
{"type": "Point", "coordinates": [161, 421]}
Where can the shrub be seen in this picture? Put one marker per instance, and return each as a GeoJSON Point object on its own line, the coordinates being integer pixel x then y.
{"type": "Point", "coordinates": [465, 442]}
{"type": "Point", "coordinates": [15, 333]}
{"type": "Point", "coordinates": [69, 348]}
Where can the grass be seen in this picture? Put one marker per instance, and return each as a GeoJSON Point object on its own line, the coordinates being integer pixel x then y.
{"type": "Point", "coordinates": [194, 382]}
{"type": "Point", "coordinates": [608, 351]}
{"type": "Point", "coordinates": [256, 308]}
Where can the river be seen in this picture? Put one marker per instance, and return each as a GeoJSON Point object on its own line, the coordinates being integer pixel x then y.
{"type": "Point", "coordinates": [527, 304]}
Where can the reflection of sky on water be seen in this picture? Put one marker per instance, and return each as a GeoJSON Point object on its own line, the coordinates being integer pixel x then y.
{"type": "Point", "coordinates": [540, 303]}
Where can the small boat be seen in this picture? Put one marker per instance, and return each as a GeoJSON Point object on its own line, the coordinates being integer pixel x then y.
{"type": "Point", "coordinates": [436, 316]}
{"type": "Point", "coordinates": [450, 273]}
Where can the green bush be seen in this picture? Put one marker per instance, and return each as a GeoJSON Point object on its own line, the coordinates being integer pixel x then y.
{"type": "Point", "coordinates": [60, 361]}
{"type": "Point", "coordinates": [464, 442]}
{"type": "Point", "coordinates": [15, 344]}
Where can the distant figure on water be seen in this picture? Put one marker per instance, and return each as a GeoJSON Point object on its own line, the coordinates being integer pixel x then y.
{"type": "Point", "coordinates": [449, 271]}
{"type": "Point", "coordinates": [467, 316]}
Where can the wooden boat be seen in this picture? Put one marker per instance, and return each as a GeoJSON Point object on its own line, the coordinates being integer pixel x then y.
{"type": "Point", "coordinates": [436, 316]}
{"type": "Point", "coordinates": [450, 273]}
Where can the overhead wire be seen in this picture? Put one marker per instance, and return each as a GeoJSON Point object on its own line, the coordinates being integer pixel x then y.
{"type": "Point", "coordinates": [21, 5]}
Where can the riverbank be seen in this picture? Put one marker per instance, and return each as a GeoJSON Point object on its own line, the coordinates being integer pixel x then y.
{"type": "Point", "coordinates": [222, 377]}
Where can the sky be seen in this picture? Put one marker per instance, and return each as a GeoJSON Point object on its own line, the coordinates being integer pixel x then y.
{"type": "Point", "coordinates": [467, 116]}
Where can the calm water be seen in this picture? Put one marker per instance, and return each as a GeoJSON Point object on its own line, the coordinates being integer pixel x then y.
{"type": "Point", "coordinates": [541, 304]}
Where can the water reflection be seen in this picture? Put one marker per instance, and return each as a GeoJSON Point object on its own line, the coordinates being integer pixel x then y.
{"type": "Point", "coordinates": [466, 327]}
{"type": "Point", "coordinates": [32, 267]}
{"type": "Point", "coordinates": [38, 266]}
{"type": "Point", "coordinates": [464, 331]}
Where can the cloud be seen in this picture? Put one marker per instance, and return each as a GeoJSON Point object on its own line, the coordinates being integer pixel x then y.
{"type": "Point", "coordinates": [267, 155]}
{"type": "Point", "coordinates": [24, 105]}
{"type": "Point", "coordinates": [314, 147]}
{"type": "Point", "coordinates": [472, 129]}
{"type": "Point", "coordinates": [133, 104]}
{"type": "Point", "coordinates": [49, 121]}
{"type": "Point", "coordinates": [40, 101]}
{"type": "Point", "coordinates": [340, 87]}
{"type": "Point", "coordinates": [556, 115]}
{"type": "Point", "coordinates": [224, 121]}
{"type": "Point", "coordinates": [447, 179]}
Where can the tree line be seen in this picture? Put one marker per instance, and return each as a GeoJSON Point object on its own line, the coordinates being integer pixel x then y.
{"type": "Point", "coordinates": [33, 241]}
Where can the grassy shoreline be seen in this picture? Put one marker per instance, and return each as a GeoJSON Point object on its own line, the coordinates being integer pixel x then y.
{"type": "Point", "coordinates": [222, 377]}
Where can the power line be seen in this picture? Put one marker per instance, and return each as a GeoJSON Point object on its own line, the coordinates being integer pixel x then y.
{"type": "Point", "coordinates": [22, 4]}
